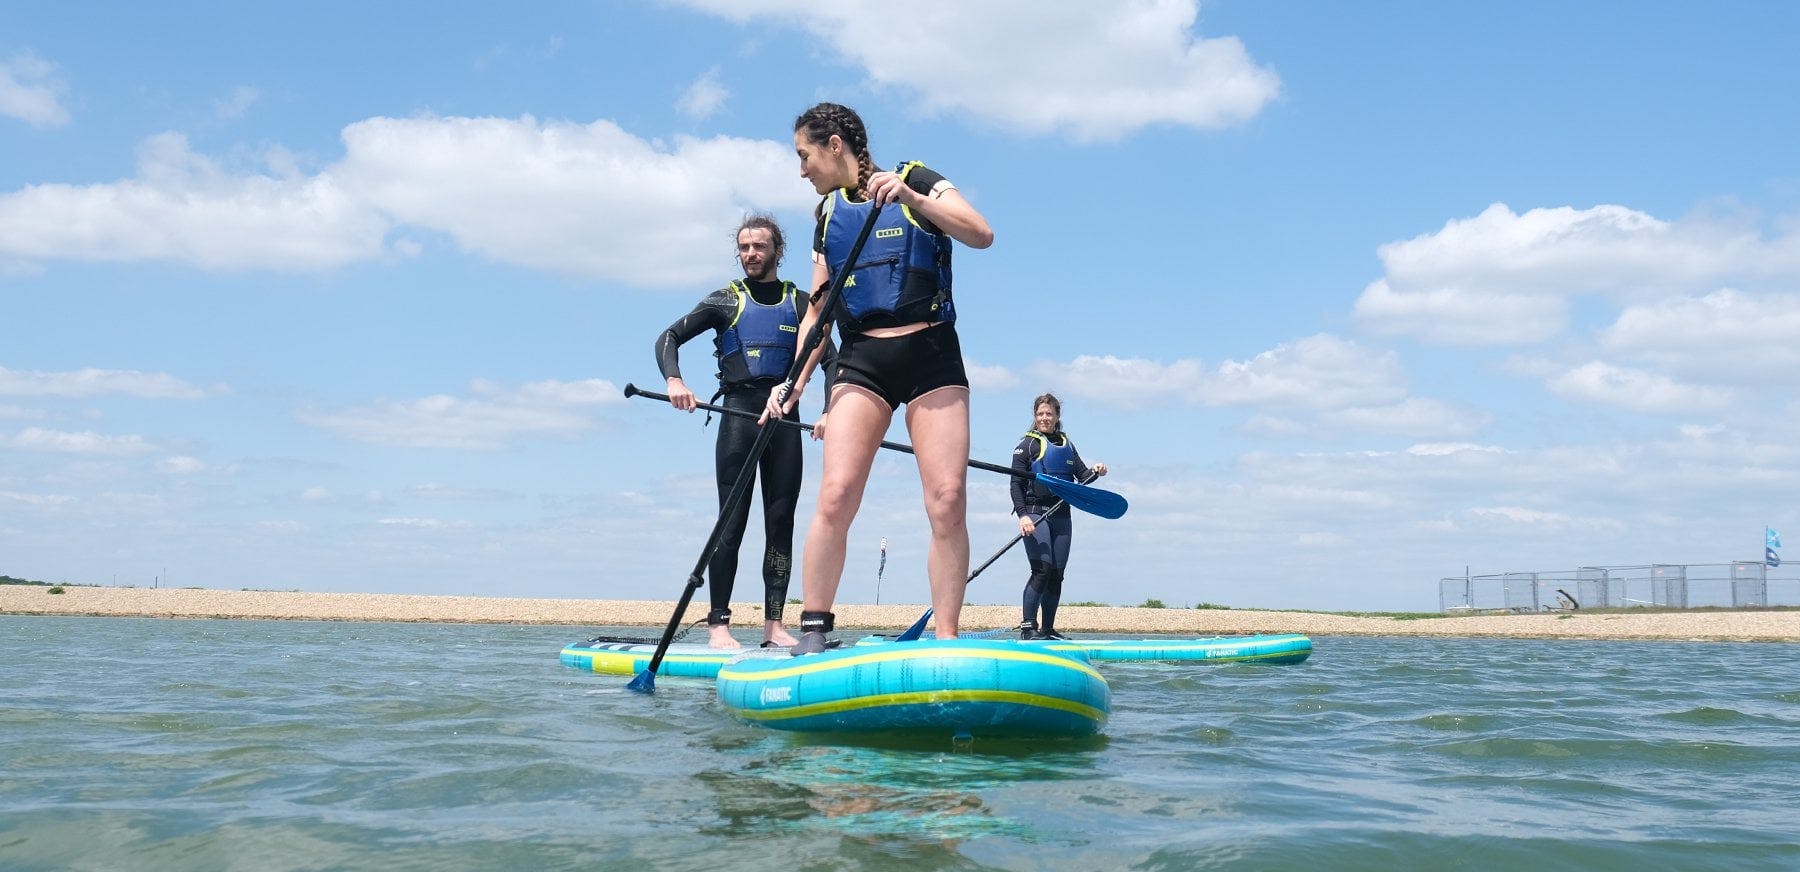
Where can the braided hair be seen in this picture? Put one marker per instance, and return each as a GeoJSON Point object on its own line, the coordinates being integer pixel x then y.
{"type": "Point", "coordinates": [823, 121]}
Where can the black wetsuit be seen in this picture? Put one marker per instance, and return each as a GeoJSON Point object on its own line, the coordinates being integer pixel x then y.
{"type": "Point", "coordinates": [780, 465]}
{"type": "Point", "coordinates": [1047, 548]}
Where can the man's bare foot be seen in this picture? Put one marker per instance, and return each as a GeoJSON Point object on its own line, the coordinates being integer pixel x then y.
{"type": "Point", "coordinates": [721, 637]}
{"type": "Point", "coordinates": [773, 631]}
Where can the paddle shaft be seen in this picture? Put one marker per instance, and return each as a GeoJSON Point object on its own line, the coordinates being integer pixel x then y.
{"type": "Point", "coordinates": [632, 390]}
{"type": "Point", "coordinates": [1055, 507]}
{"type": "Point", "coordinates": [747, 475]}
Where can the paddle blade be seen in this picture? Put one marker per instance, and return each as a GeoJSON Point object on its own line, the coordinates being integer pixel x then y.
{"type": "Point", "coordinates": [1092, 500]}
{"type": "Point", "coordinates": [912, 633]}
{"type": "Point", "coordinates": [645, 682]}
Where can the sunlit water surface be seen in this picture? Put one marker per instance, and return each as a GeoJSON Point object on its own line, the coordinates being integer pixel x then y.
{"type": "Point", "coordinates": [267, 745]}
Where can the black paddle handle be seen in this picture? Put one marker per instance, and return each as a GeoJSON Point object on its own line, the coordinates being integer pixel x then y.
{"type": "Point", "coordinates": [747, 475]}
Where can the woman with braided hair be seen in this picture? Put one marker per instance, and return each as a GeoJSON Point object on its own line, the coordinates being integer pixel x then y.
{"type": "Point", "coordinates": [897, 347]}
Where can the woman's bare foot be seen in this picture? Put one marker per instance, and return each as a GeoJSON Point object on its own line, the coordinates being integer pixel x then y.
{"type": "Point", "coordinates": [773, 631]}
{"type": "Point", "coordinates": [721, 637]}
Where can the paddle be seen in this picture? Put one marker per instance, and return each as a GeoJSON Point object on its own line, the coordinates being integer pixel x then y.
{"type": "Point", "coordinates": [645, 681]}
{"type": "Point", "coordinates": [1092, 500]}
{"type": "Point", "coordinates": [918, 626]}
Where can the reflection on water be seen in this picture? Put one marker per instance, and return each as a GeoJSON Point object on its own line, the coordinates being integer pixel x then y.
{"type": "Point", "coordinates": [892, 787]}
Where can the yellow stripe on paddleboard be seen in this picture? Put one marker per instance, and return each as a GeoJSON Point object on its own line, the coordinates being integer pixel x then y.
{"type": "Point", "coordinates": [626, 662]}
{"type": "Point", "coordinates": [882, 656]}
{"type": "Point", "coordinates": [924, 697]}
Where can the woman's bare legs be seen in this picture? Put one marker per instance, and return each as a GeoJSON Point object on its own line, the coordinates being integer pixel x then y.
{"type": "Point", "coordinates": [858, 421]}
{"type": "Point", "coordinates": [938, 424]}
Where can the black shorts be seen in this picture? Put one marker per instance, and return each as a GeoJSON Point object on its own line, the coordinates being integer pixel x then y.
{"type": "Point", "coordinates": [902, 368]}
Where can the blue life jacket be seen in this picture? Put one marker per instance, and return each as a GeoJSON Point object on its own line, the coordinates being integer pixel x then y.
{"type": "Point", "coordinates": [759, 344]}
{"type": "Point", "coordinates": [1054, 459]}
{"type": "Point", "coordinates": [903, 273]}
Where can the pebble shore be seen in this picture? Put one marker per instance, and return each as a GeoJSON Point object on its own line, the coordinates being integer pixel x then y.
{"type": "Point", "coordinates": [1732, 626]}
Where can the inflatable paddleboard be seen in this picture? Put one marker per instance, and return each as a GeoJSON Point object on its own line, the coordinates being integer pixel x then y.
{"type": "Point", "coordinates": [695, 660]}
{"type": "Point", "coordinates": [957, 687]}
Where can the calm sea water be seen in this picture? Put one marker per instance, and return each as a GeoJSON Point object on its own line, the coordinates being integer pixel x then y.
{"type": "Point", "coordinates": [195, 745]}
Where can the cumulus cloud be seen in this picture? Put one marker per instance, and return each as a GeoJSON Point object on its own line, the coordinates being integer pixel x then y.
{"type": "Point", "coordinates": [1725, 337]}
{"type": "Point", "coordinates": [1317, 372]}
{"type": "Point", "coordinates": [85, 442]}
{"type": "Point", "coordinates": [1414, 416]}
{"type": "Point", "coordinates": [491, 418]}
{"type": "Point", "coordinates": [1453, 316]}
{"type": "Point", "coordinates": [31, 91]}
{"type": "Point", "coordinates": [1506, 278]}
{"type": "Point", "coordinates": [95, 382]}
{"type": "Point", "coordinates": [990, 378]}
{"type": "Point", "coordinates": [588, 200]}
{"type": "Point", "coordinates": [1095, 70]}
{"type": "Point", "coordinates": [585, 199]}
{"type": "Point", "coordinates": [1604, 384]}
{"type": "Point", "coordinates": [181, 465]}
{"type": "Point", "coordinates": [184, 207]}
{"type": "Point", "coordinates": [703, 97]}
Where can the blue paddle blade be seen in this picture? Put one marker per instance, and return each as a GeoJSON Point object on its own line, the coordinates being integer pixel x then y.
{"type": "Point", "coordinates": [912, 633]}
{"type": "Point", "coordinates": [645, 682]}
{"type": "Point", "coordinates": [1092, 500]}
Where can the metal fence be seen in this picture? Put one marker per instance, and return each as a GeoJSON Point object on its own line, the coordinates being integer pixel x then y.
{"type": "Point", "coordinates": [1744, 584]}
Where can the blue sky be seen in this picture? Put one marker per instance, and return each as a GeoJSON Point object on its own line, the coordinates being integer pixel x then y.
{"type": "Point", "coordinates": [1349, 296]}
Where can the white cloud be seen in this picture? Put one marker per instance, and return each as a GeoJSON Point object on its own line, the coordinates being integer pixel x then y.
{"type": "Point", "coordinates": [95, 382]}
{"type": "Point", "coordinates": [1128, 383]}
{"type": "Point", "coordinates": [1727, 336]}
{"type": "Point", "coordinates": [186, 208]}
{"type": "Point", "coordinates": [37, 501]}
{"type": "Point", "coordinates": [435, 491]}
{"type": "Point", "coordinates": [234, 105]}
{"type": "Point", "coordinates": [1502, 517]}
{"type": "Point", "coordinates": [1605, 384]}
{"type": "Point", "coordinates": [990, 378]}
{"type": "Point", "coordinates": [181, 465]}
{"type": "Point", "coordinates": [31, 91]}
{"type": "Point", "coordinates": [1451, 316]}
{"type": "Point", "coordinates": [85, 442]}
{"type": "Point", "coordinates": [425, 523]}
{"type": "Point", "coordinates": [493, 418]}
{"type": "Point", "coordinates": [1414, 416]}
{"type": "Point", "coordinates": [1317, 372]}
{"type": "Point", "coordinates": [1097, 70]}
{"type": "Point", "coordinates": [585, 199]}
{"type": "Point", "coordinates": [703, 97]}
{"type": "Point", "coordinates": [588, 200]}
{"type": "Point", "coordinates": [1506, 278]}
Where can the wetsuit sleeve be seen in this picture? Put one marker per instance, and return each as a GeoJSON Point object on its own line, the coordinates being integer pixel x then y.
{"type": "Point", "coordinates": [708, 314]}
{"type": "Point", "coordinates": [1021, 462]}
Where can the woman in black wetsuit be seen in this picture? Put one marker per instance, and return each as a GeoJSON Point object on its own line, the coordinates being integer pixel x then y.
{"type": "Point", "coordinates": [756, 323]}
{"type": "Point", "coordinates": [1047, 449]}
